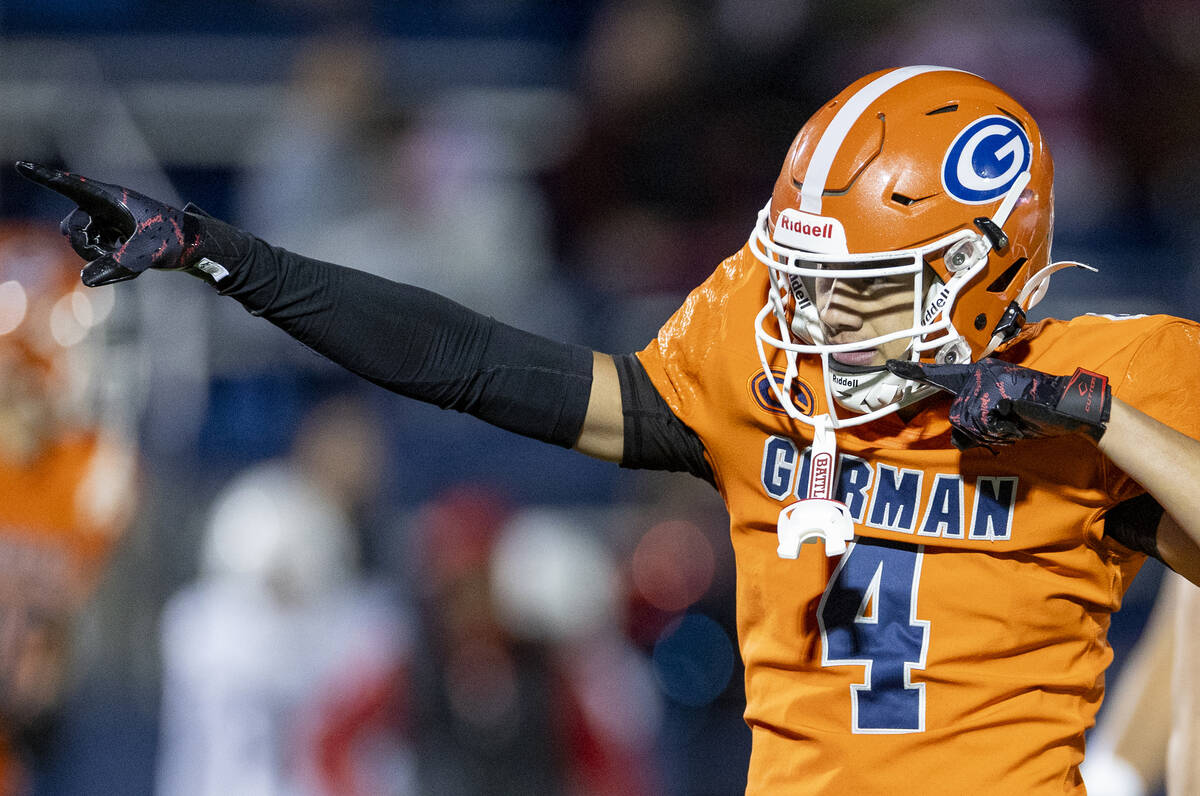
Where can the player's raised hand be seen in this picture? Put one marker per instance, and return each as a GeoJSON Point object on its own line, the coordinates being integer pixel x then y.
{"type": "Point", "coordinates": [118, 231]}
{"type": "Point", "coordinates": [121, 233]}
{"type": "Point", "coordinates": [997, 402]}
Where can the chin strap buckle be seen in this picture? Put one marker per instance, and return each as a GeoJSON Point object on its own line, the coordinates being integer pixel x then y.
{"type": "Point", "coordinates": [991, 230]}
{"type": "Point", "coordinates": [811, 519]}
{"type": "Point", "coordinates": [1010, 322]}
{"type": "Point", "coordinates": [818, 516]}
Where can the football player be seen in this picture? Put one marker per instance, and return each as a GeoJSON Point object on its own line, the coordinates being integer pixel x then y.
{"type": "Point", "coordinates": [67, 484]}
{"type": "Point", "coordinates": [860, 374]}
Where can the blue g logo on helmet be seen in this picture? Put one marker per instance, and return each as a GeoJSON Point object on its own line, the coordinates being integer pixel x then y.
{"type": "Point", "coordinates": [985, 160]}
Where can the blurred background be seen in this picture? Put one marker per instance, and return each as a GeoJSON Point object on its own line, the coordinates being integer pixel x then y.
{"type": "Point", "coordinates": [290, 582]}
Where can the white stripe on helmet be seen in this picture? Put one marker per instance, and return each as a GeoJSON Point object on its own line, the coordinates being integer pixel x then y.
{"type": "Point", "coordinates": [831, 140]}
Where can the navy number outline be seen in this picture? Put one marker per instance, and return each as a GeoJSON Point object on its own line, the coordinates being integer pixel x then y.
{"type": "Point", "coordinates": [868, 618]}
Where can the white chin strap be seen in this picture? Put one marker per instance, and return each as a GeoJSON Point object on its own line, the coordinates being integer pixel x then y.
{"type": "Point", "coordinates": [866, 392]}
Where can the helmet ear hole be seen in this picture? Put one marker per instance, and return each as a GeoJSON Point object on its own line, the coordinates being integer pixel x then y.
{"type": "Point", "coordinates": [980, 321]}
{"type": "Point", "coordinates": [1001, 282]}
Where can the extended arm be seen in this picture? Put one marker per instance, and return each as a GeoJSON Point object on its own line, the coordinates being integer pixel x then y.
{"type": "Point", "coordinates": [401, 337]}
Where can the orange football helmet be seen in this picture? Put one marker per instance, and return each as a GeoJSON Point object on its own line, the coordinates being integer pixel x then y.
{"type": "Point", "coordinates": [923, 174]}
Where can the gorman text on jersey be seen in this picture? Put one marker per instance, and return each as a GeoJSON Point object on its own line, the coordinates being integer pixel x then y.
{"type": "Point", "coordinates": [892, 498]}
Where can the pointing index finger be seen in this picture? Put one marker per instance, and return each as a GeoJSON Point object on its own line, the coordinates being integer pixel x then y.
{"type": "Point", "coordinates": [80, 190]}
{"type": "Point", "coordinates": [951, 378]}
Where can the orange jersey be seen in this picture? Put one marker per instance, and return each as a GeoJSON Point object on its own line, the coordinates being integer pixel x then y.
{"type": "Point", "coordinates": [58, 524]}
{"type": "Point", "coordinates": [959, 645]}
{"type": "Point", "coordinates": [55, 532]}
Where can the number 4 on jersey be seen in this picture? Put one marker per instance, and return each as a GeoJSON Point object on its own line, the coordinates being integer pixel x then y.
{"type": "Point", "coordinates": [868, 618]}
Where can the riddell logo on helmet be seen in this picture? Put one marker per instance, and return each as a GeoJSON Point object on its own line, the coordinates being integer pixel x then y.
{"type": "Point", "coordinates": [804, 231]}
{"type": "Point", "coordinates": [793, 225]}
{"type": "Point", "coordinates": [935, 306]}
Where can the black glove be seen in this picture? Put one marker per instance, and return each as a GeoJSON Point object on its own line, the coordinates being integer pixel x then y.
{"type": "Point", "coordinates": [121, 233]}
{"type": "Point", "coordinates": [997, 402]}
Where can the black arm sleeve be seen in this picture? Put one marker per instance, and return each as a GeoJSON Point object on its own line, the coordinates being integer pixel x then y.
{"type": "Point", "coordinates": [412, 341]}
{"type": "Point", "coordinates": [655, 439]}
{"type": "Point", "coordinates": [1134, 523]}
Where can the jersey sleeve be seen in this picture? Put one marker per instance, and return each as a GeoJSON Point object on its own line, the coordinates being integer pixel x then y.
{"type": "Point", "coordinates": [1162, 379]}
{"type": "Point", "coordinates": [690, 361]}
{"type": "Point", "coordinates": [688, 344]}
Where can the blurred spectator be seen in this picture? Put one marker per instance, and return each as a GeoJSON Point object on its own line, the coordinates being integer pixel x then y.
{"type": "Point", "coordinates": [68, 484]}
{"type": "Point", "coordinates": [525, 683]}
{"type": "Point", "coordinates": [1049, 67]}
{"type": "Point", "coordinates": [448, 207]}
{"type": "Point", "coordinates": [433, 189]}
{"type": "Point", "coordinates": [273, 656]}
{"type": "Point", "coordinates": [310, 163]}
{"type": "Point", "coordinates": [637, 188]}
{"type": "Point", "coordinates": [1147, 102]}
{"type": "Point", "coordinates": [681, 614]}
{"type": "Point", "coordinates": [679, 116]}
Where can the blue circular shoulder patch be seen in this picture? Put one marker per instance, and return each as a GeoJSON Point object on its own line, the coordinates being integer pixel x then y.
{"type": "Point", "coordinates": [985, 159]}
{"type": "Point", "coordinates": [764, 395]}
